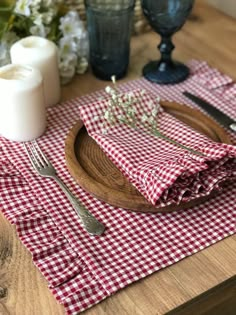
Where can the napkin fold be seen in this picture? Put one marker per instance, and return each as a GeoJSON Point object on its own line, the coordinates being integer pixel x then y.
{"type": "Point", "coordinates": [164, 172]}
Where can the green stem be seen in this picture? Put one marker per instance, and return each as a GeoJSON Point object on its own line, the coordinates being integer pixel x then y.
{"type": "Point", "coordinates": [160, 135]}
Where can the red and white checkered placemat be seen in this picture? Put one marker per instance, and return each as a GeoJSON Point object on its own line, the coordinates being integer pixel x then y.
{"type": "Point", "coordinates": [81, 269]}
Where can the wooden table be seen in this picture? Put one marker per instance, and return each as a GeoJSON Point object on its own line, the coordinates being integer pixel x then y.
{"type": "Point", "coordinates": [201, 284]}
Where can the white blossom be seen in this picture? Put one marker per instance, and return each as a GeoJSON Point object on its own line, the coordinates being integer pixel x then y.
{"type": "Point", "coordinates": [108, 89]}
{"type": "Point", "coordinates": [39, 30]}
{"type": "Point", "coordinates": [144, 118]}
{"type": "Point", "coordinates": [38, 20]}
{"type": "Point", "coordinates": [130, 95]}
{"type": "Point", "coordinates": [131, 110]}
{"type": "Point", "coordinates": [48, 16]}
{"type": "Point", "coordinates": [82, 65]}
{"type": "Point", "coordinates": [67, 71]}
{"type": "Point", "coordinates": [151, 120]}
{"type": "Point", "coordinates": [71, 25]}
{"type": "Point", "coordinates": [23, 7]}
{"type": "Point", "coordinates": [67, 46]}
{"type": "Point", "coordinates": [107, 115]}
{"type": "Point", "coordinates": [121, 117]}
{"type": "Point", "coordinates": [67, 67]}
{"type": "Point", "coordinates": [154, 111]}
{"type": "Point", "coordinates": [124, 104]}
{"type": "Point", "coordinates": [150, 105]}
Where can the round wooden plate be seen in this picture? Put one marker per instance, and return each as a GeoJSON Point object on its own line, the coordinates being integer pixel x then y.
{"type": "Point", "coordinates": [94, 172]}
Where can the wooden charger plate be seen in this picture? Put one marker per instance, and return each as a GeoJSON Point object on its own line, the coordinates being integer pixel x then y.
{"type": "Point", "coordinates": [95, 173]}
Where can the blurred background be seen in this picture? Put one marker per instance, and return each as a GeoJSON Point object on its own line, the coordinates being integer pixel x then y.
{"type": "Point", "coordinates": [227, 6]}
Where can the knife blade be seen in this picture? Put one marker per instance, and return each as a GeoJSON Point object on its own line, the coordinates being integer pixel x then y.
{"type": "Point", "coordinates": [221, 117]}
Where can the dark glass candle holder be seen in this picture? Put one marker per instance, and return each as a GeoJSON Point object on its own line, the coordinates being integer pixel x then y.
{"type": "Point", "coordinates": [166, 17]}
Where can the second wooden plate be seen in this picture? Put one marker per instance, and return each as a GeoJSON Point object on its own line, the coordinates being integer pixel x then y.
{"type": "Point", "coordinates": [94, 172]}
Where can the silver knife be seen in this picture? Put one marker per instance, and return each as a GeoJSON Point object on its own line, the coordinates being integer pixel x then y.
{"type": "Point", "coordinates": [221, 117]}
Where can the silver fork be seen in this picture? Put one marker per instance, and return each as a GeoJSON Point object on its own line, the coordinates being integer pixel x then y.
{"type": "Point", "coordinates": [44, 168]}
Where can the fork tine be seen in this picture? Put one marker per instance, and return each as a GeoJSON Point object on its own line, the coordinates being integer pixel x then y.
{"type": "Point", "coordinates": [40, 154]}
{"type": "Point", "coordinates": [37, 155]}
{"type": "Point", "coordinates": [31, 156]}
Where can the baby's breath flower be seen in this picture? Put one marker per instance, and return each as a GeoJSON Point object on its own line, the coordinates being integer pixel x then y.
{"type": "Point", "coordinates": [131, 110]}
{"type": "Point", "coordinates": [151, 120]}
{"type": "Point", "coordinates": [121, 117]}
{"type": "Point", "coordinates": [130, 95]}
{"type": "Point", "coordinates": [150, 105]}
{"type": "Point", "coordinates": [124, 104]}
{"type": "Point", "coordinates": [107, 115]}
{"type": "Point", "coordinates": [154, 111]}
{"type": "Point", "coordinates": [144, 118]}
{"type": "Point", "coordinates": [108, 89]}
{"type": "Point", "coordinates": [146, 123]}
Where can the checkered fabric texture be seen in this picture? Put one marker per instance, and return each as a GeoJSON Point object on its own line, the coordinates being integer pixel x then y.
{"type": "Point", "coordinates": [81, 269]}
{"type": "Point", "coordinates": [163, 172]}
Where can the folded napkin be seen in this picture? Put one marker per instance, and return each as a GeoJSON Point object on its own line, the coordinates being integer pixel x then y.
{"type": "Point", "coordinates": [180, 166]}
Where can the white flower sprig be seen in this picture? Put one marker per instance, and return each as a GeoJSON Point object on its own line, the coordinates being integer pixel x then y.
{"type": "Point", "coordinates": [49, 19]}
{"type": "Point", "coordinates": [123, 109]}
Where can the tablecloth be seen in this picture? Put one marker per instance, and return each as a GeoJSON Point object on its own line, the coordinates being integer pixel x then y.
{"type": "Point", "coordinates": [81, 269]}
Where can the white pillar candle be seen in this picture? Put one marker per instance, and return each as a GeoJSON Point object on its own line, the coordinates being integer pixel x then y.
{"type": "Point", "coordinates": [22, 104]}
{"type": "Point", "coordinates": [42, 54]}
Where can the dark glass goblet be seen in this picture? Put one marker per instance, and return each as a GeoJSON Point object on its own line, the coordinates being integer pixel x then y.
{"type": "Point", "coordinates": [166, 17]}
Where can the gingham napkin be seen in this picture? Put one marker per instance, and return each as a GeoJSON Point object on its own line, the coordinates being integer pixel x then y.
{"type": "Point", "coordinates": [80, 269]}
{"type": "Point", "coordinates": [162, 171]}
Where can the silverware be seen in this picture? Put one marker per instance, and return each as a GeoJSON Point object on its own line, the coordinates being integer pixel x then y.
{"type": "Point", "coordinates": [44, 168]}
{"type": "Point", "coordinates": [221, 117]}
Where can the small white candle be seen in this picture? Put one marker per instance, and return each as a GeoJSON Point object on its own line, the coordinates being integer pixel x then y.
{"type": "Point", "coordinates": [22, 105]}
{"type": "Point", "coordinates": [42, 54]}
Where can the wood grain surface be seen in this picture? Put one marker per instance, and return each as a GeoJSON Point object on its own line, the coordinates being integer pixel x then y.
{"type": "Point", "coordinates": [201, 284]}
{"type": "Point", "coordinates": [95, 172]}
